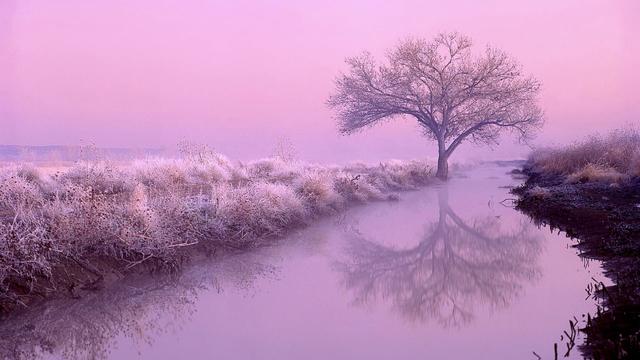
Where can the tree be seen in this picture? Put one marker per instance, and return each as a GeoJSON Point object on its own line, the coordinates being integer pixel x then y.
{"type": "Point", "coordinates": [453, 93]}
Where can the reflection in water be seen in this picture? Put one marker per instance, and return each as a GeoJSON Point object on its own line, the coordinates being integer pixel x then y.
{"type": "Point", "coordinates": [138, 309]}
{"type": "Point", "coordinates": [456, 266]}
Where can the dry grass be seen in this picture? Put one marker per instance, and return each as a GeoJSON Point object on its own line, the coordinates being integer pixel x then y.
{"type": "Point", "coordinates": [597, 173]}
{"type": "Point", "coordinates": [149, 209]}
{"type": "Point", "coordinates": [612, 158]}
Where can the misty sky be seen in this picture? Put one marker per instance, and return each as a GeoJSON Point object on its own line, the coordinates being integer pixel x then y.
{"type": "Point", "coordinates": [238, 75]}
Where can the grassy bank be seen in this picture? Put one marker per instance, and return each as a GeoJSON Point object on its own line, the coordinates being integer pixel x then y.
{"type": "Point", "coordinates": [66, 231]}
{"type": "Point", "coordinates": [594, 183]}
{"type": "Point", "coordinates": [591, 191]}
{"type": "Point", "coordinates": [612, 158]}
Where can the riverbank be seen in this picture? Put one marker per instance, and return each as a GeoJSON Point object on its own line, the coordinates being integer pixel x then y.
{"type": "Point", "coordinates": [604, 218]}
{"type": "Point", "coordinates": [70, 232]}
{"type": "Point", "coordinates": [605, 214]}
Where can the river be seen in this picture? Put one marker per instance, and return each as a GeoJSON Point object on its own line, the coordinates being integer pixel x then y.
{"type": "Point", "coordinates": [447, 272]}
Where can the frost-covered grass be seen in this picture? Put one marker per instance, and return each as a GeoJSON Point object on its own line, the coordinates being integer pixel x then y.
{"type": "Point", "coordinates": [149, 209]}
{"type": "Point", "coordinates": [612, 158]}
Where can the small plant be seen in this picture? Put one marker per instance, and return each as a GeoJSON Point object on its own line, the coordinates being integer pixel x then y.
{"type": "Point", "coordinates": [285, 150]}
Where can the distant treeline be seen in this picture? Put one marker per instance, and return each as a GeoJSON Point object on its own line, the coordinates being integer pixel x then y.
{"type": "Point", "coordinates": [72, 153]}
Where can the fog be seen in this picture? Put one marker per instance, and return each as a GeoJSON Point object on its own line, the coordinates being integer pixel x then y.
{"type": "Point", "coordinates": [239, 76]}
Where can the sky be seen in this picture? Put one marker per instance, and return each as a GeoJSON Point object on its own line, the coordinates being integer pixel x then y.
{"type": "Point", "coordinates": [240, 75]}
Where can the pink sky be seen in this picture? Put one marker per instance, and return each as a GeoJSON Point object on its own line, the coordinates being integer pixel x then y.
{"type": "Point", "coordinates": [238, 75]}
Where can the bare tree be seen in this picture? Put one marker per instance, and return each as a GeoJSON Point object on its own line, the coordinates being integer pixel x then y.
{"type": "Point", "coordinates": [453, 93]}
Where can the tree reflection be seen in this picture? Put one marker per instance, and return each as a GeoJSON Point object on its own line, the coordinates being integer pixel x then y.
{"type": "Point", "coordinates": [457, 266]}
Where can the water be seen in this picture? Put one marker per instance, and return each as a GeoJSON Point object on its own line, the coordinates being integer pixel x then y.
{"type": "Point", "coordinates": [450, 271]}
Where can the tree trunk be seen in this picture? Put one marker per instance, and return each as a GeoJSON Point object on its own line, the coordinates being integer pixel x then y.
{"type": "Point", "coordinates": [443, 167]}
{"type": "Point", "coordinates": [443, 162]}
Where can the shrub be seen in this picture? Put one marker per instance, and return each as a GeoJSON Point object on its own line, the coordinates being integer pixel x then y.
{"type": "Point", "coordinates": [260, 209]}
{"type": "Point", "coordinates": [100, 176]}
{"type": "Point", "coordinates": [30, 173]}
{"type": "Point", "coordinates": [317, 190]}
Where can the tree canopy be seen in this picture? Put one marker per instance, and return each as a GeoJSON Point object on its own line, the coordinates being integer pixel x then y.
{"type": "Point", "coordinates": [456, 95]}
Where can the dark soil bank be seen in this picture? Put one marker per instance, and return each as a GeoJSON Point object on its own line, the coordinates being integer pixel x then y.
{"type": "Point", "coordinates": [605, 221]}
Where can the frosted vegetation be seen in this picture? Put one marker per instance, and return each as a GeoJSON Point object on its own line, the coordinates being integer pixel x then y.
{"type": "Point", "coordinates": [613, 158]}
{"type": "Point", "coordinates": [98, 215]}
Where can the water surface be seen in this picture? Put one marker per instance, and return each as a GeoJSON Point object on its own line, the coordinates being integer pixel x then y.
{"type": "Point", "coordinates": [449, 271]}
